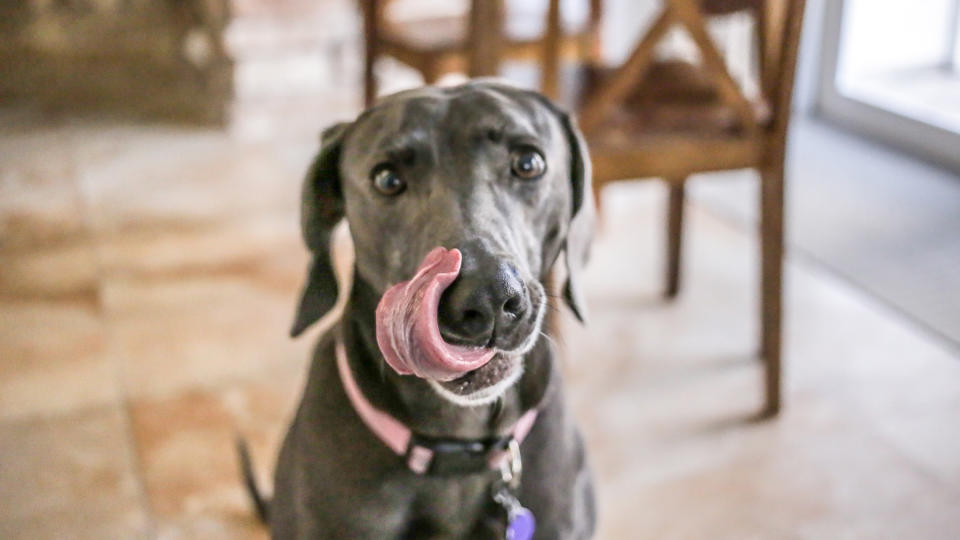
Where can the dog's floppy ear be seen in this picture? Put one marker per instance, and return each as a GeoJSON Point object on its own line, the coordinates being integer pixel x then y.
{"type": "Point", "coordinates": [321, 208]}
{"type": "Point", "coordinates": [580, 232]}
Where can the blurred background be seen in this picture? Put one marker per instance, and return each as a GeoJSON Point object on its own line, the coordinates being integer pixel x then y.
{"type": "Point", "coordinates": [150, 160]}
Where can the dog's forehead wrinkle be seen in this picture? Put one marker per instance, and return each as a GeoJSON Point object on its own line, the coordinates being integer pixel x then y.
{"type": "Point", "coordinates": [399, 145]}
{"type": "Point", "coordinates": [526, 107]}
{"type": "Point", "coordinates": [403, 120]}
{"type": "Point", "coordinates": [487, 110]}
{"type": "Point", "coordinates": [418, 109]}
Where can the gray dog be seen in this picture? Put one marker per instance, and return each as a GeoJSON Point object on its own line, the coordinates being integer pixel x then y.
{"type": "Point", "coordinates": [426, 398]}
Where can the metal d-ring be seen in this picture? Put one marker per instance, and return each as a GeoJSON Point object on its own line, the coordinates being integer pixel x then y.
{"type": "Point", "coordinates": [512, 467]}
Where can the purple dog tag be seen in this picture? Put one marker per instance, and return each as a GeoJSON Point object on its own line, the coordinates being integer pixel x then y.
{"type": "Point", "coordinates": [520, 521]}
{"type": "Point", "coordinates": [522, 524]}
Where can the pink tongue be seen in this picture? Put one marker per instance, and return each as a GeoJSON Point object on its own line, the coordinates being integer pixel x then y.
{"type": "Point", "coordinates": [407, 328]}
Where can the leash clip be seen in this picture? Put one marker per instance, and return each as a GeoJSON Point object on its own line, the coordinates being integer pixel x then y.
{"type": "Point", "coordinates": [512, 467]}
{"type": "Point", "coordinates": [521, 523]}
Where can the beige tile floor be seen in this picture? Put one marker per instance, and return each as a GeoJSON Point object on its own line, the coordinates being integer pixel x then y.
{"type": "Point", "coordinates": [148, 275]}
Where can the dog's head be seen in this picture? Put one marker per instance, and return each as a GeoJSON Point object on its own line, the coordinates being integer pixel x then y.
{"type": "Point", "coordinates": [496, 172]}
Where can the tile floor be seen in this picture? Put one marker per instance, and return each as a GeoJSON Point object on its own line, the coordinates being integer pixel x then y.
{"type": "Point", "coordinates": [876, 217]}
{"type": "Point", "coordinates": [148, 275]}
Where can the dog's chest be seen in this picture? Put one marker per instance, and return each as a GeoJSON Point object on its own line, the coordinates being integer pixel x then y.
{"type": "Point", "coordinates": [455, 507]}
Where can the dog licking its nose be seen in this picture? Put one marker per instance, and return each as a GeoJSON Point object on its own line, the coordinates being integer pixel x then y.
{"type": "Point", "coordinates": [482, 308]}
{"type": "Point", "coordinates": [408, 332]}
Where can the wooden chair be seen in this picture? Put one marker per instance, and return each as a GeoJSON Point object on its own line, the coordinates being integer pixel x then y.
{"type": "Point", "coordinates": [439, 45]}
{"type": "Point", "coordinates": [651, 118]}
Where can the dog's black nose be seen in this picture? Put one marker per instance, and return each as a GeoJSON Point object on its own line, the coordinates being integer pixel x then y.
{"type": "Point", "coordinates": [484, 301]}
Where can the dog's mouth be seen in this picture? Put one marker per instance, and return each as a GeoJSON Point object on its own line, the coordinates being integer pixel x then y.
{"type": "Point", "coordinates": [484, 384]}
{"type": "Point", "coordinates": [408, 335]}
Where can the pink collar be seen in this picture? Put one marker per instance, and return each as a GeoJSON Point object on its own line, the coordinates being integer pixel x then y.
{"type": "Point", "coordinates": [398, 437]}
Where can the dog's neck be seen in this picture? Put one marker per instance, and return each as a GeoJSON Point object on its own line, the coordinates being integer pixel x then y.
{"type": "Point", "coordinates": [412, 401]}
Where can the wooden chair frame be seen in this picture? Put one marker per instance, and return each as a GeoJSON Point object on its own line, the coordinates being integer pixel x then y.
{"type": "Point", "coordinates": [483, 49]}
{"type": "Point", "coordinates": [756, 144]}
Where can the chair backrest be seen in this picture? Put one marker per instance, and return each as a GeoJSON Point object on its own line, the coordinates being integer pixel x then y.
{"type": "Point", "coordinates": [777, 24]}
{"type": "Point", "coordinates": [777, 29]}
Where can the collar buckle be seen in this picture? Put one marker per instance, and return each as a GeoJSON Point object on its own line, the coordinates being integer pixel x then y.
{"type": "Point", "coordinates": [442, 457]}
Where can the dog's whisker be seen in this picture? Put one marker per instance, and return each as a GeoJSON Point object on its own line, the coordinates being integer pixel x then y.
{"type": "Point", "coordinates": [556, 347]}
{"type": "Point", "coordinates": [555, 341]}
{"type": "Point", "coordinates": [555, 310]}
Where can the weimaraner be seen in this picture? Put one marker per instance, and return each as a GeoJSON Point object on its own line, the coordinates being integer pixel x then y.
{"type": "Point", "coordinates": [439, 380]}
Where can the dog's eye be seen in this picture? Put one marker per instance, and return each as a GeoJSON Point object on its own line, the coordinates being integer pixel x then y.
{"type": "Point", "coordinates": [527, 164]}
{"type": "Point", "coordinates": [387, 181]}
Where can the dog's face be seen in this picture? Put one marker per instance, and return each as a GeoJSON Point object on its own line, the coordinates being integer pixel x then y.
{"type": "Point", "coordinates": [493, 171]}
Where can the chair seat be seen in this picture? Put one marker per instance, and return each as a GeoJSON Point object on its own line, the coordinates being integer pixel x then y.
{"type": "Point", "coordinates": [670, 156]}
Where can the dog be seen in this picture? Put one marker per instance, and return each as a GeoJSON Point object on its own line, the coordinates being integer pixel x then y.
{"type": "Point", "coordinates": [433, 408]}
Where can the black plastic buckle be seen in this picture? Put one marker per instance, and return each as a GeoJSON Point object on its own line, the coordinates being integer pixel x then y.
{"type": "Point", "coordinates": [457, 456]}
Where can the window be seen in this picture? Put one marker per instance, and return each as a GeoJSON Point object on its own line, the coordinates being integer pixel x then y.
{"type": "Point", "coordinates": [892, 70]}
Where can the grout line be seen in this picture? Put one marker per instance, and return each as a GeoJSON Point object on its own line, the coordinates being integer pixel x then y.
{"type": "Point", "coordinates": [123, 401]}
{"type": "Point", "coordinates": [916, 465]}
{"type": "Point", "coordinates": [809, 260]}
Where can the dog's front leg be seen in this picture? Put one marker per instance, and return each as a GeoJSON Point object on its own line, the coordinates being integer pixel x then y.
{"type": "Point", "coordinates": [556, 483]}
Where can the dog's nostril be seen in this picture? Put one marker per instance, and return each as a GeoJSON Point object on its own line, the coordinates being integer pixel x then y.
{"type": "Point", "coordinates": [513, 306]}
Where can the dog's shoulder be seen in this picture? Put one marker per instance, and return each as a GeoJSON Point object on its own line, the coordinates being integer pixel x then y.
{"type": "Point", "coordinates": [322, 371]}
{"type": "Point", "coordinates": [326, 343]}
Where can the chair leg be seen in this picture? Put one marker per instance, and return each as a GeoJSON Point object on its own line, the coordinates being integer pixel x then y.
{"type": "Point", "coordinates": [771, 286]}
{"type": "Point", "coordinates": [598, 204]}
{"type": "Point", "coordinates": [371, 27]}
{"type": "Point", "coordinates": [485, 37]}
{"type": "Point", "coordinates": [369, 82]}
{"type": "Point", "coordinates": [430, 71]}
{"type": "Point", "coordinates": [676, 187]}
{"type": "Point", "coordinates": [594, 52]}
{"type": "Point", "coordinates": [550, 61]}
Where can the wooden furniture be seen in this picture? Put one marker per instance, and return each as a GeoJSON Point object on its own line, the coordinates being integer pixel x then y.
{"type": "Point", "coordinates": [472, 44]}
{"type": "Point", "coordinates": [650, 118]}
